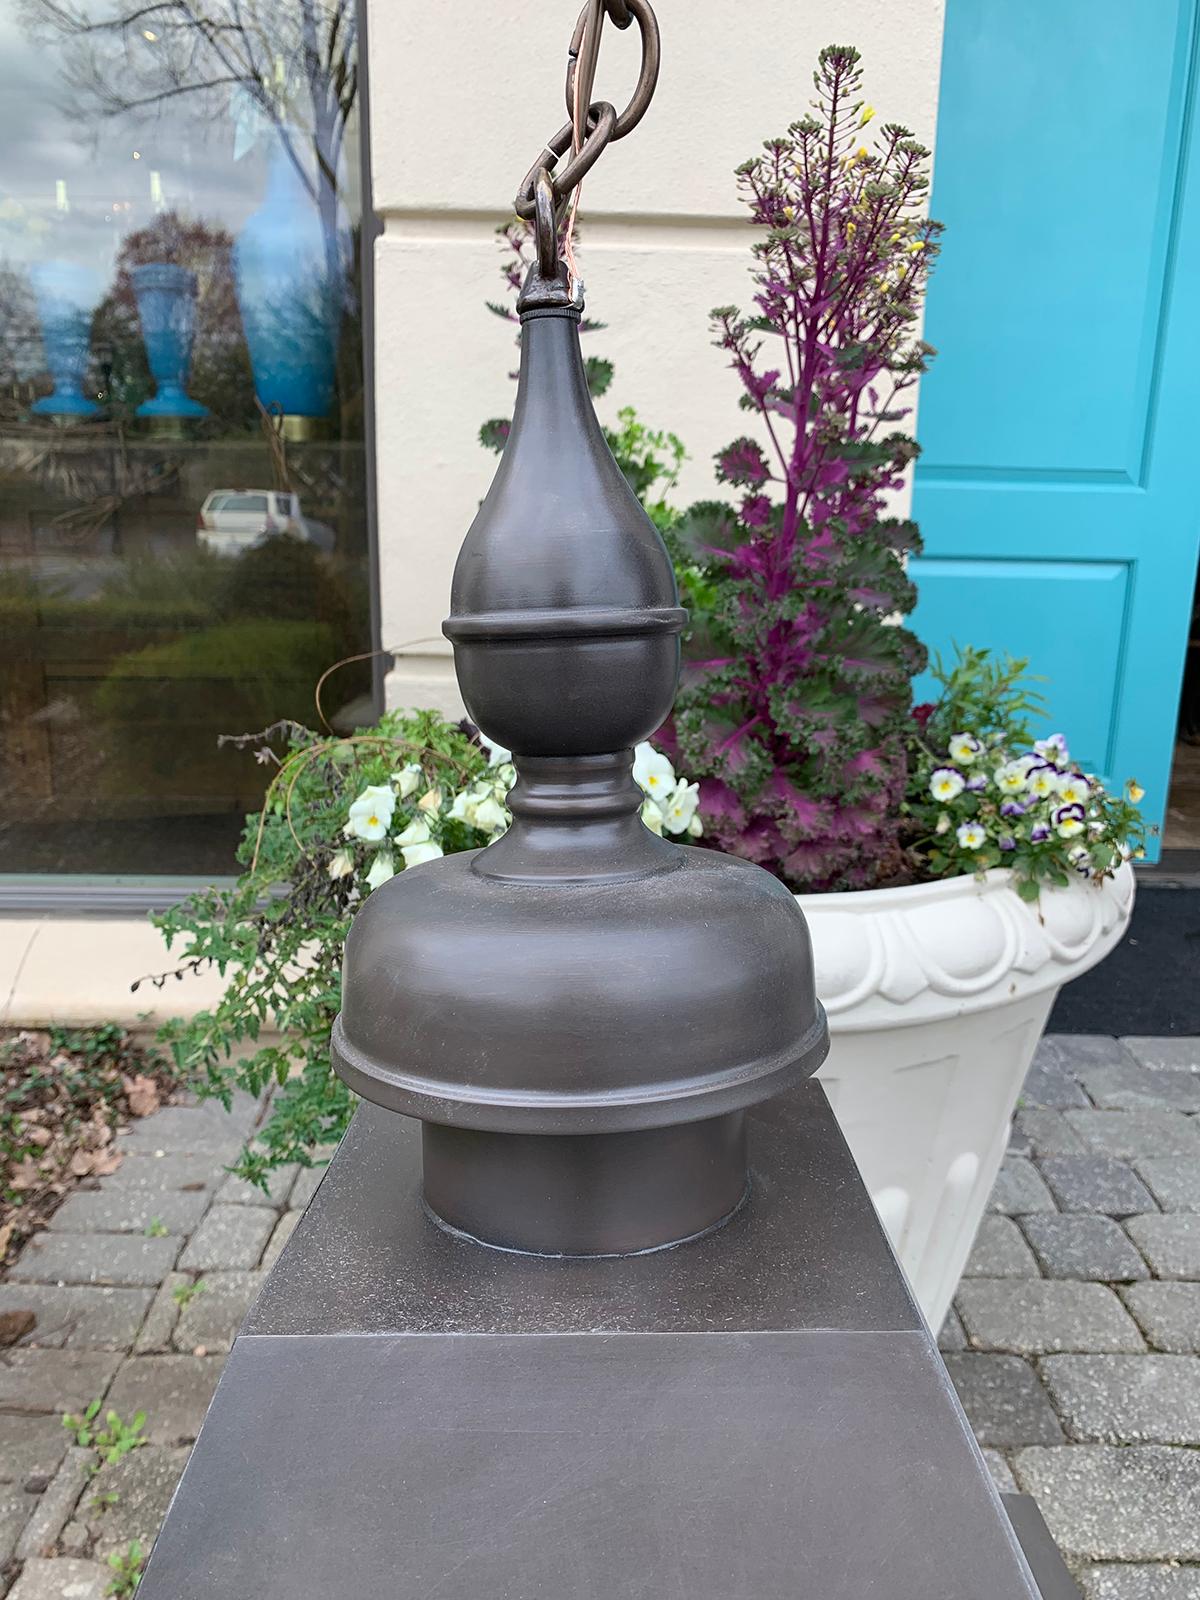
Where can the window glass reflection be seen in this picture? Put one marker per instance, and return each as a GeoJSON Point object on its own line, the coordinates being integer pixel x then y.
{"type": "Point", "coordinates": [183, 543]}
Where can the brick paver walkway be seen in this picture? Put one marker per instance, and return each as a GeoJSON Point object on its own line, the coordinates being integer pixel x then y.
{"type": "Point", "coordinates": [1075, 1342]}
{"type": "Point", "coordinates": [1075, 1339]}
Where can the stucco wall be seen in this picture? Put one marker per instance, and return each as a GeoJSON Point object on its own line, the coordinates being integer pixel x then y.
{"type": "Point", "coordinates": [463, 97]}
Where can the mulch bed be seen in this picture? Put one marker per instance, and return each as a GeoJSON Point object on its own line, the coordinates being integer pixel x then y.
{"type": "Point", "coordinates": [64, 1095]}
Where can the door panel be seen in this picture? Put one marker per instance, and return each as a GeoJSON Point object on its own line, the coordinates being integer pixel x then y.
{"type": "Point", "coordinates": [1053, 490]}
{"type": "Point", "coordinates": [1028, 605]}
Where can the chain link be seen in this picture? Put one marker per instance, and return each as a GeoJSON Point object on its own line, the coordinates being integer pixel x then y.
{"type": "Point", "coordinates": [592, 124]}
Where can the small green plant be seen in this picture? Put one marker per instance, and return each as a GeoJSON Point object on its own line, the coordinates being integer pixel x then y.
{"type": "Point", "coordinates": [127, 1569]}
{"type": "Point", "coordinates": [101, 1502]}
{"type": "Point", "coordinates": [114, 1439]}
{"type": "Point", "coordinates": [184, 1293]}
{"type": "Point", "coordinates": [156, 1228]}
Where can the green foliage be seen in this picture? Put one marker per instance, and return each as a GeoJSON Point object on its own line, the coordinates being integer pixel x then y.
{"type": "Point", "coordinates": [277, 935]}
{"type": "Point", "coordinates": [127, 1570]}
{"type": "Point", "coordinates": [156, 1228]}
{"type": "Point", "coordinates": [991, 695]}
{"type": "Point", "coordinates": [154, 586]}
{"type": "Point", "coordinates": [650, 459]}
{"type": "Point", "coordinates": [113, 1440]}
{"type": "Point", "coordinates": [184, 1293]}
{"type": "Point", "coordinates": [983, 793]}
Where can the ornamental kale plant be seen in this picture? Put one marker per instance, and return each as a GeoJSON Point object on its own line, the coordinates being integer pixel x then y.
{"type": "Point", "coordinates": [795, 703]}
{"type": "Point", "coordinates": [984, 793]}
{"type": "Point", "coordinates": [340, 817]}
{"type": "Point", "coordinates": [649, 457]}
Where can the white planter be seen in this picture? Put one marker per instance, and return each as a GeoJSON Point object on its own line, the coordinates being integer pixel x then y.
{"type": "Point", "coordinates": [937, 995]}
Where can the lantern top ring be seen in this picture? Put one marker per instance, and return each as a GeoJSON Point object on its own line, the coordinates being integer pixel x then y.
{"type": "Point", "coordinates": [545, 224]}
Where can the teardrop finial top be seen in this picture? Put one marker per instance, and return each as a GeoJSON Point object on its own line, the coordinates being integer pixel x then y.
{"type": "Point", "coordinates": [564, 613]}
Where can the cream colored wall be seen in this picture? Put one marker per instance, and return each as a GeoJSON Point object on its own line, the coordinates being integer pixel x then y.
{"type": "Point", "coordinates": [463, 96]}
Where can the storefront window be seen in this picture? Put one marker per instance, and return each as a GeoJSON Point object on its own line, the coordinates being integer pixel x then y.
{"type": "Point", "coordinates": [183, 535]}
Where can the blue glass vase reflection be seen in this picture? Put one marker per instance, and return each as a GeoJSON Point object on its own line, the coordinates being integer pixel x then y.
{"type": "Point", "coordinates": [166, 301]}
{"type": "Point", "coordinates": [66, 295]}
{"type": "Point", "coordinates": [290, 301]}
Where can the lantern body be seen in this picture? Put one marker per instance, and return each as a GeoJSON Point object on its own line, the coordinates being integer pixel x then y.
{"type": "Point", "coordinates": [581, 1013]}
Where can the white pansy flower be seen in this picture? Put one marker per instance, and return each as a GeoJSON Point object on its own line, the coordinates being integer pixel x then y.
{"type": "Point", "coordinates": [695, 827]}
{"type": "Point", "coordinates": [970, 835]}
{"type": "Point", "coordinates": [417, 832]}
{"type": "Point", "coordinates": [462, 808]}
{"type": "Point", "coordinates": [680, 806]}
{"type": "Point", "coordinates": [964, 748]}
{"type": "Point", "coordinates": [1073, 788]}
{"type": "Point", "coordinates": [652, 816]}
{"type": "Point", "coordinates": [417, 843]}
{"type": "Point", "coordinates": [382, 868]}
{"type": "Point", "coordinates": [652, 772]}
{"type": "Point", "coordinates": [407, 780]}
{"type": "Point", "coordinates": [1010, 778]}
{"type": "Point", "coordinates": [943, 823]}
{"type": "Point", "coordinates": [371, 813]}
{"type": "Point", "coordinates": [430, 802]}
{"type": "Point", "coordinates": [946, 783]}
{"type": "Point", "coordinates": [496, 753]}
{"type": "Point", "coordinates": [341, 864]}
{"type": "Point", "coordinates": [490, 815]}
{"type": "Point", "coordinates": [414, 854]}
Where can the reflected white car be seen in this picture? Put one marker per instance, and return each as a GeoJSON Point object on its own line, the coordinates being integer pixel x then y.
{"type": "Point", "coordinates": [233, 520]}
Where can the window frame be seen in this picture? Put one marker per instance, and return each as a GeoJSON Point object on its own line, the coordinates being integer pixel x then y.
{"type": "Point", "coordinates": [108, 894]}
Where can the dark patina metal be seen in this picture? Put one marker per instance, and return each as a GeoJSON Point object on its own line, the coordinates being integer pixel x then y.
{"type": "Point", "coordinates": [581, 1013]}
{"type": "Point", "coordinates": [761, 1415]}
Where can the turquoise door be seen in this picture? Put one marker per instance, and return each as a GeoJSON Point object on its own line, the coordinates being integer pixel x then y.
{"type": "Point", "coordinates": [1058, 487]}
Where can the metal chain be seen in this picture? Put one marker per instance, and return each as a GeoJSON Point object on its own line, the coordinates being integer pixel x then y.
{"type": "Point", "coordinates": [592, 124]}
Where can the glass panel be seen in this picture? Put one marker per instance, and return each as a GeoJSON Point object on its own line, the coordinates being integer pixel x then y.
{"type": "Point", "coordinates": [183, 540]}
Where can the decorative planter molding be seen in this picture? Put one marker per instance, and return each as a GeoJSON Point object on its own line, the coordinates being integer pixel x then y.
{"type": "Point", "coordinates": [937, 995]}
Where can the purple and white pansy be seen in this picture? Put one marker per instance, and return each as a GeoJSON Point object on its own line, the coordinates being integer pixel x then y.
{"type": "Point", "coordinates": [1073, 789]}
{"type": "Point", "coordinates": [983, 800]}
{"type": "Point", "coordinates": [1069, 820]}
{"type": "Point", "coordinates": [965, 748]}
{"type": "Point", "coordinates": [1042, 780]}
{"type": "Point", "coordinates": [1053, 749]}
